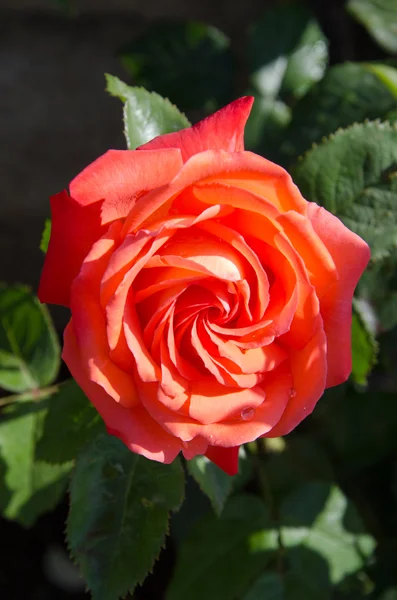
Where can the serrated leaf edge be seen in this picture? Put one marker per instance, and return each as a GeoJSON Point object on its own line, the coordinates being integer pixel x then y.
{"type": "Point", "coordinates": [378, 123]}
{"type": "Point", "coordinates": [74, 557]}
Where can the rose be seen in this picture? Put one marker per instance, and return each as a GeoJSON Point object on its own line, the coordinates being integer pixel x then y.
{"type": "Point", "coordinates": [211, 303]}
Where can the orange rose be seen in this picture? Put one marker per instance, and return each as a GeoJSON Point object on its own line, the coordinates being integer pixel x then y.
{"type": "Point", "coordinates": [211, 303]}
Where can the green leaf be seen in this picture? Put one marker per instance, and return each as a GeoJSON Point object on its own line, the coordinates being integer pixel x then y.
{"type": "Point", "coordinates": [120, 504]}
{"type": "Point", "coordinates": [392, 116]}
{"type": "Point", "coordinates": [189, 62]}
{"type": "Point", "coordinates": [287, 52]}
{"type": "Point", "coordinates": [364, 347]}
{"type": "Point", "coordinates": [222, 556]}
{"type": "Point", "coordinates": [376, 291]}
{"type": "Point", "coordinates": [379, 17]}
{"type": "Point", "coordinates": [391, 594]}
{"type": "Point", "coordinates": [70, 422]}
{"type": "Point", "coordinates": [45, 237]}
{"type": "Point", "coordinates": [348, 93]}
{"type": "Point", "coordinates": [388, 311]}
{"type": "Point", "coordinates": [213, 482]}
{"type": "Point", "coordinates": [146, 114]}
{"type": "Point", "coordinates": [29, 347]}
{"type": "Point", "coordinates": [28, 487]}
{"type": "Point", "coordinates": [265, 129]}
{"type": "Point", "coordinates": [316, 518]}
{"type": "Point", "coordinates": [266, 115]}
{"type": "Point", "coordinates": [269, 586]}
{"type": "Point", "coordinates": [353, 175]}
{"type": "Point", "coordinates": [387, 74]}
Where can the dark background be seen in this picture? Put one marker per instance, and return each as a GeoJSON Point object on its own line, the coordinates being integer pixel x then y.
{"type": "Point", "coordinates": [55, 118]}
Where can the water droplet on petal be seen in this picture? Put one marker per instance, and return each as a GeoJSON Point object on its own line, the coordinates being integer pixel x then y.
{"type": "Point", "coordinates": [247, 413]}
{"type": "Point", "coordinates": [292, 393]}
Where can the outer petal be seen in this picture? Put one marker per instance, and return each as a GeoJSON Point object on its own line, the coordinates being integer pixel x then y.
{"type": "Point", "coordinates": [309, 371]}
{"type": "Point", "coordinates": [224, 130]}
{"type": "Point", "coordinates": [103, 192]}
{"type": "Point", "coordinates": [139, 432]}
{"type": "Point", "coordinates": [350, 254]}
{"type": "Point", "coordinates": [225, 458]}
{"type": "Point", "coordinates": [120, 177]}
{"type": "Point", "coordinates": [74, 230]}
{"type": "Point", "coordinates": [89, 323]}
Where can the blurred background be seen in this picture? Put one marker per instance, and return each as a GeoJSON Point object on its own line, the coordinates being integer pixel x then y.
{"type": "Point", "coordinates": [55, 118]}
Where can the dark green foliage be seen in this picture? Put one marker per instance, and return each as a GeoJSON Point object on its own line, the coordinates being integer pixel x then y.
{"type": "Point", "coordinates": [352, 174]}
{"type": "Point", "coordinates": [29, 486]}
{"type": "Point", "coordinates": [380, 18]}
{"type": "Point", "coordinates": [29, 348]}
{"type": "Point", "coordinates": [287, 52]}
{"type": "Point", "coordinates": [349, 93]}
{"type": "Point", "coordinates": [189, 63]}
{"type": "Point", "coordinates": [120, 504]}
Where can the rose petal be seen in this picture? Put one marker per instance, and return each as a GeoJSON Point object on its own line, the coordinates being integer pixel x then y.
{"type": "Point", "coordinates": [239, 169]}
{"type": "Point", "coordinates": [211, 402]}
{"type": "Point", "coordinates": [89, 324]}
{"type": "Point", "coordinates": [307, 316]}
{"type": "Point", "coordinates": [115, 309]}
{"type": "Point", "coordinates": [225, 458]}
{"type": "Point", "coordinates": [309, 372]}
{"type": "Point", "coordinates": [147, 368]}
{"type": "Point", "coordinates": [252, 360]}
{"type": "Point", "coordinates": [74, 230]}
{"type": "Point", "coordinates": [223, 130]}
{"type": "Point", "coordinates": [120, 177]}
{"type": "Point", "coordinates": [139, 432]}
{"type": "Point", "coordinates": [165, 279]}
{"type": "Point", "coordinates": [183, 366]}
{"type": "Point", "coordinates": [223, 368]}
{"type": "Point", "coordinates": [351, 255]}
{"type": "Point", "coordinates": [196, 447]}
{"type": "Point", "coordinates": [220, 192]}
{"type": "Point", "coordinates": [252, 269]}
{"type": "Point", "coordinates": [318, 261]}
{"type": "Point", "coordinates": [233, 432]}
{"type": "Point", "coordinates": [219, 259]}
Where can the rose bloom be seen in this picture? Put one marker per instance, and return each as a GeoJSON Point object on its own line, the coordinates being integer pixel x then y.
{"type": "Point", "coordinates": [211, 303]}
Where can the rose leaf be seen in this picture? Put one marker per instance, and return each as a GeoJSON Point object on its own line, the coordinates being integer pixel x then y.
{"type": "Point", "coordinates": [287, 52]}
{"type": "Point", "coordinates": [317, 519]}
{"type": "Point", "coordinates": [29, 486]}
{"type": "Point", "coordinates": [45, 236]}
{"type": "Point", "coordinates": [379, 17]}
{"type": "Point", "coordinates": [70, 422]}
{"type": "Point", "coordinates": [353, 174]}
{"type": "Point", "coordinates": [29, 347]}
{"type": "Point", "coordinates": [118, 520]}
{"type": "Point", "coordinates": [349, 93]}
{"type": "Point", "coordinates": [223, 555]}
{"type": "Point", "coordinates": [146, 114]}
{"type": "Point", "coordinates": [323, 542]}
{"type": "Point", "coordinates": [364, 346]}
{"type": "Point", "coordinates": [213, 482]}
{"type": "Point", "coordinates": [270, 585]}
